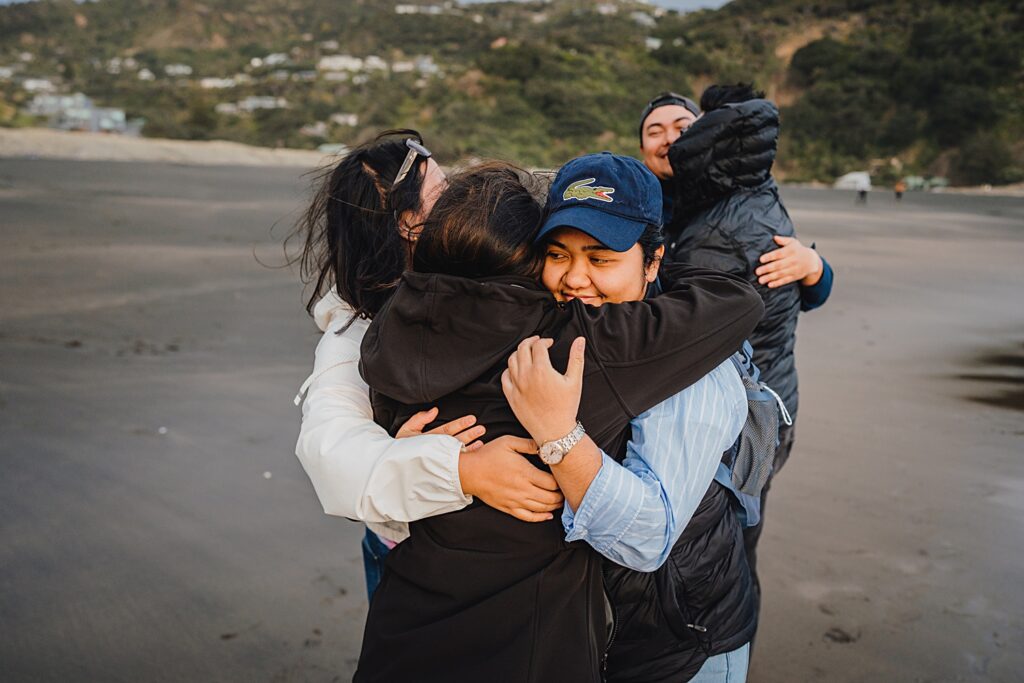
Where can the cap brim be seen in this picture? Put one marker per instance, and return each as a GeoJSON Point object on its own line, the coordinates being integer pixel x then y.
{"type": "Point", "coordinates": [615, 232]}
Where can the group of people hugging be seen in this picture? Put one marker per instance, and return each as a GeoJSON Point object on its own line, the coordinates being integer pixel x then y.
{"type": "Point", "coordinates": [534, 391]}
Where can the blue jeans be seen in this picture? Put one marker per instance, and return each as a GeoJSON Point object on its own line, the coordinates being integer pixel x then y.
{"type": "Point", "coordinates": [374, 552]}
{"type": "Point", "coordinates": [730, 667]}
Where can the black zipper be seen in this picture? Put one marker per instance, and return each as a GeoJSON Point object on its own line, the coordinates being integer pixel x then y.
{"type": "Point", "coordinates": [611, 638]}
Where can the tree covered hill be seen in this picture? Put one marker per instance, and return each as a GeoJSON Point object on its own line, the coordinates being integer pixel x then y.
{"type": "Point", "coordinates": [929, 87]}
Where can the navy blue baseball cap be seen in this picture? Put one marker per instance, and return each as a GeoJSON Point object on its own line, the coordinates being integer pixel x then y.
{"type": "Point", "coordinates": [612, 198]}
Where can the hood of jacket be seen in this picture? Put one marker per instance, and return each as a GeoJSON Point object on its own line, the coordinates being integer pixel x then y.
{"type": "Point", "coordinates": [329, 309]}
{"type": "Point", "coordinates": [726, 150]}
{"type": "Point", "coordinates": [438, 333]}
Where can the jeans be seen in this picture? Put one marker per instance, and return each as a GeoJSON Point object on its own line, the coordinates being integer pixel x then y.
{"type": "Point", "coordinates": [374, 553]}
{"type": "Point", "coordinates": [730, 667]}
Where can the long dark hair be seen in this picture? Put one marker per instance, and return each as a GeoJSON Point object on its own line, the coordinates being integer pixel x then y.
{"type": "Point", "coordinates": [482, 225]}
{"type": "Point", "coordinates": [350, 231]}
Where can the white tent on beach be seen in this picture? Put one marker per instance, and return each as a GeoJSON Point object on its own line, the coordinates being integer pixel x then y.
{"type": "Point", "coordinates": [857, 180]}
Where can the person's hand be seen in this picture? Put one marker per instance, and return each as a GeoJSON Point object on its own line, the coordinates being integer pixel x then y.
{"type": "Point", "coordinates": [499, 475]}
{"type": "Point", "coordinates": [544, 401]}
{"type": "Point", "coordinates": [792, 262]}
{"type": "Point", "coordinates": [464, 429]}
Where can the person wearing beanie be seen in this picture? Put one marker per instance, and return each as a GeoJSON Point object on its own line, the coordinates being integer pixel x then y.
{"type": "Point", "coordinates": [726, 214]}
{"type": "Point", "coordinates": [662, 121]}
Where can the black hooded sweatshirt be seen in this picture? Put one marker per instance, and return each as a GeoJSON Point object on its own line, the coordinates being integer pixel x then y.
{"type": "Point", "coordinates": [726, 210]}
{"type": "Point", "coordinates": [477, 594]}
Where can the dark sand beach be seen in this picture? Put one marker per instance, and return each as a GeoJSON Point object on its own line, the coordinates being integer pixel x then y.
{"type": "Point", "coordinates": [156, 526]}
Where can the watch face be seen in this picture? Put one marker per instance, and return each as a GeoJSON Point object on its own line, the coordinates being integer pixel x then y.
{"type": "Point", "coordinates": [550, 453]}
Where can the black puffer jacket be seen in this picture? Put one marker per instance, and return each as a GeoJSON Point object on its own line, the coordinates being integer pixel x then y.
{"type": "Point", "coordinates": [700, 603]}
{"type": "Point", "coordinates": [727, 210]}
{"type": "Point", "coordinates": [477, 595]}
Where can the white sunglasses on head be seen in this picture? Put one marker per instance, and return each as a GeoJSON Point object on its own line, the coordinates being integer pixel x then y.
{"type": "Point", "coordinates": [415, 150]}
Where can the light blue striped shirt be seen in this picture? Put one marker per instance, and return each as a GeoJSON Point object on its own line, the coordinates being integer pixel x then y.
{"type": "Point", "coordinates": [633, 513]}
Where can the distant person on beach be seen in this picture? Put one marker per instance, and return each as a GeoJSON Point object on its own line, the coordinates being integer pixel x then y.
{"type": "Point", "coordinates": [899, 188]}
{"type": "Point", "coordinates": [726, 213]}
{"type": "Point", "coordinates": [863, 187]}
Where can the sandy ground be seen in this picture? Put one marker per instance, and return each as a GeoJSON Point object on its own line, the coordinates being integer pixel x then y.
{"type": "Point", "coordinates": [156, 526]}
{"type": "Point", "coordinates": [43, 143]}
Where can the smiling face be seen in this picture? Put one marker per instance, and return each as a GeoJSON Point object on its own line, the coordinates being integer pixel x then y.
{"type": "Point", "coordinates": [661, 128]}
{"type": "Point", "coordinates": [577, 266]}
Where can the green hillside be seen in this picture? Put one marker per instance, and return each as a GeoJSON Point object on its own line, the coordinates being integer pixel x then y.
{"type": "Point", "coordinates": [898, 87]}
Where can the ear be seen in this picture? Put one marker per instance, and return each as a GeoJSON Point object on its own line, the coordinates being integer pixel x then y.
{"type": "Point", "coordinates": [652, 270]}
{"type": "Point", "coordinates": [409, 226]}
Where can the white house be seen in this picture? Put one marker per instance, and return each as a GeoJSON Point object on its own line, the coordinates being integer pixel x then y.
{"type": "Point", "coordinates": [343, 119]}
{"type": "Point", "coordinates": [262, 102]}
{"type": "Point", "coordinates": [426, 66]}
{"type": "Point", "coordinates": [340, 63]}
{"type": "Point", "coordinates": [216, 83]}
{"type": "Point", "coordinates": [275, 59]}
{"type": "Point", "coordinates": [38, 85]}
{"type": "Point", "coordinates": [51, 105]}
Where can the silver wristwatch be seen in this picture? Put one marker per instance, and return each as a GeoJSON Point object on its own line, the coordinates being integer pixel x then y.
{"type": "Point", "coordinates": [552, 452]}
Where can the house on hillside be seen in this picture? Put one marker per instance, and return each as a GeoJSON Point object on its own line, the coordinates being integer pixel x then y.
{"type": "Point", "coordinates": [255, 102]}
{"type": "Point", "coordinates": [345, 119]}
{"type": "Point", "coordinates": [340, 63]}
{"type": "Point", "coordinates": [216, 83]}
{"type": "Point", "coordinates": [51, 105]}
{"type": "Point", "coordinates": [178, 70]}
{"type": "Point", "coordinates": [97, 120]}
{"type": "Point", "coordinates": [38, 85]}
{"type": "Point", "coordinates": [78, 112]}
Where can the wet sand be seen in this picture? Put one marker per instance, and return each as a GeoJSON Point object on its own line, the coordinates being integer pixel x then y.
{"type": "Point", "coordinates": [156, 525]}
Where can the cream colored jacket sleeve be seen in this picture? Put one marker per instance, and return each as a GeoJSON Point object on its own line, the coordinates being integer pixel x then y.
{"type": "Point", "coordinates": [357, 469]}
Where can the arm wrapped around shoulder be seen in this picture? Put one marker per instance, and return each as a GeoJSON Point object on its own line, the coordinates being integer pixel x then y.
{"type": "Point", "coordinates": [645, 351]}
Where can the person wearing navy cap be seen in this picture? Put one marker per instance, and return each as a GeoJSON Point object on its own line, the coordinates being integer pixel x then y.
{"type": "Point", "coordinates": [674, 569]}
{"type": "Point", "coordinates": [477, 594]}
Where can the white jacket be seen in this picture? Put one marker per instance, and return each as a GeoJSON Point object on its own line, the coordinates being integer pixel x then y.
{"type": "Point", "coordinates": [357, 469]}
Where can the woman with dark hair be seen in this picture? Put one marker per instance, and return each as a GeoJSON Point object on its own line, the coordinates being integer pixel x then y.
{"type": "Point", "coordinates": [358, 234]}
{"type": "Point", "coordinates": [474, 594]}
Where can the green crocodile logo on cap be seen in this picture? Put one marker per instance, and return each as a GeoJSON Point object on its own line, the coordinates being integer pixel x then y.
{"type": "Point", "coordinates": [582, 190]}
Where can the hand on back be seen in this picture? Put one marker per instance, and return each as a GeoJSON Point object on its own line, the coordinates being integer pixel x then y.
{"type": "Point", "coordinates": [544, 400]}
{"type": "Point", "coordinates": [495, 472]}
{"type": "Point", "coordinates": [792, 262]}
{"type": "Point", "coordinates": [465, 429]}
{"type": "Point", "coordinates": [499, 475]}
